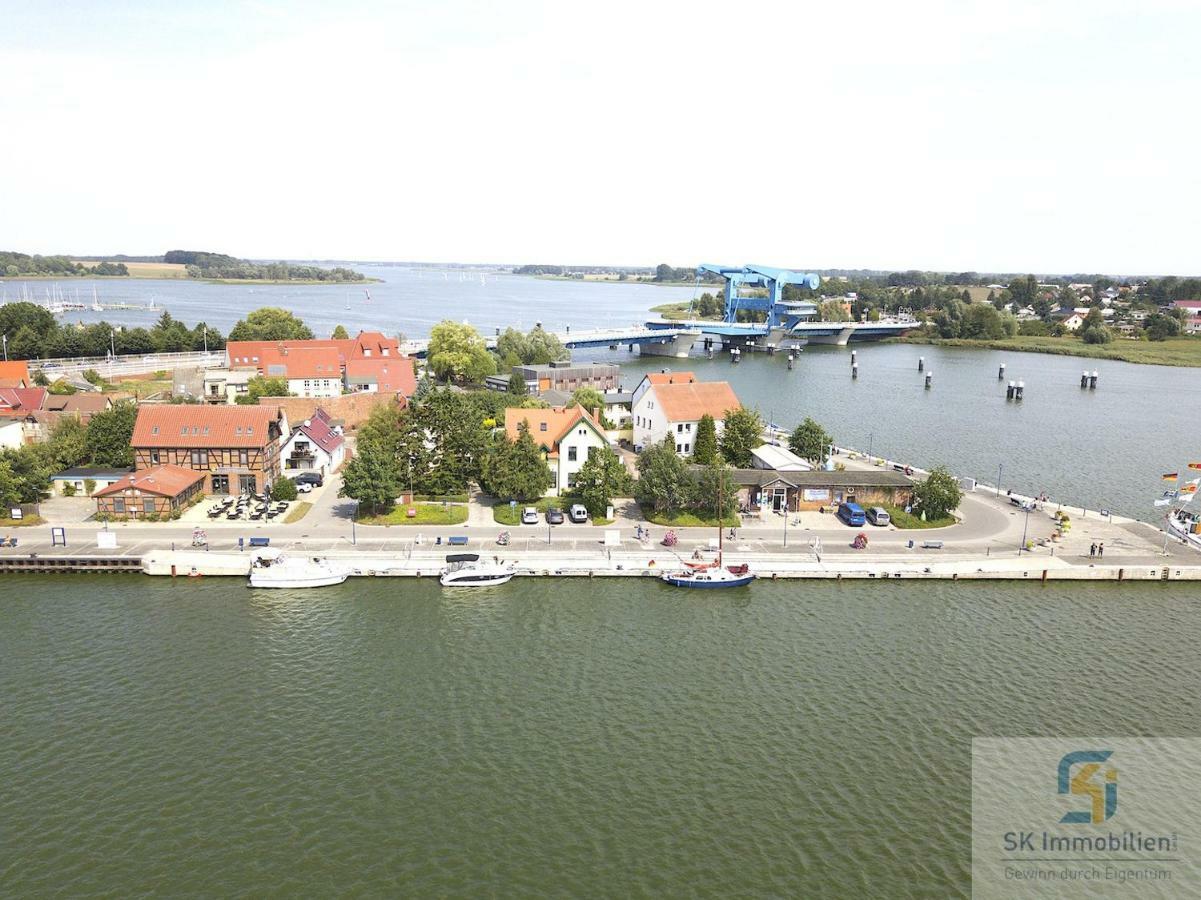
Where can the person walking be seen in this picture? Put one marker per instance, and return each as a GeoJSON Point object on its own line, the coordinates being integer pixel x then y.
{"type": "Point", "coordinates": [1092, 550]}
{"type": "Point", "coordinates": [1100, 550]}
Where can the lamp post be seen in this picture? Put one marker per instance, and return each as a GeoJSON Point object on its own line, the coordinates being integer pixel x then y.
{"type": "Point", "coordinates": [1024, 526]}
{"type": "Point", "coordinates": [870, 436]}
{"type": "Point", "coordinates": [5, 348]}
{"type": "Point", "coordinates": [786, 511]}
{"type": "Point", "coordinates": [998, 479]}
{"type": "Point", "coordinates": [354, 537]}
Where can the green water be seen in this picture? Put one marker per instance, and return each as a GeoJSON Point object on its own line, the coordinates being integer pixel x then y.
{"type": "Point", "coordinates": [548, 738]}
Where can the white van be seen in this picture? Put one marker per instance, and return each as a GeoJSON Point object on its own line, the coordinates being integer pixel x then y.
{"type": "Point", "coordinates": [878, 516]}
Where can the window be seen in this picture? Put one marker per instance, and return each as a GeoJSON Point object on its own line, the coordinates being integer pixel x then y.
{"type": "Point", "coordinates": [243, 457]}
{"type": "Point", "coordinates": [154, 457]}
{"type": "Point", "coordinates": [679, 429]}
{"type": "Point", "coordinates": [154, 430]}
{"type": "Point", "coordinates": [571, 454]}
{"type": "Point", "coordinates": [542, 426]}
{"type": "Point", "coordinates": [200, 458]}
{"type": "Point", "coordinates": [679, 448]}
{"type": "Point", "coordinates": [571, 479]}
{"type": "Point", "coordinates": [148, 505]}
{"type": "Point", "coordinates": [184, 430]}
{"type": "Point", "coordinates": [688, 448]}
{"type": "Point", "coordinates": [119, 505]}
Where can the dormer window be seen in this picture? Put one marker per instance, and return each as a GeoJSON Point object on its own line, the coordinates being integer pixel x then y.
{"type": "Point", "coordinates": [542, 426]}
{"type": "Point", "coordinates": [154, 430]}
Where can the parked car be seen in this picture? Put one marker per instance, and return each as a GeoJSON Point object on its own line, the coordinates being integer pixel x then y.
{"type": "Point", "coordinates": [852, 514]}
{"type": "Point", "coordinates": [554, 516]}
{"type": "Point", "coordinates": [878, 516]}
{"type": "Point", "coordinates": [578, 513]}
{"type": "Point", "coordinates": [313, 478]}
{"type": "Point", "coordinates": [303, 487]}
{"type": "Point", "coordinates": [529, 516]}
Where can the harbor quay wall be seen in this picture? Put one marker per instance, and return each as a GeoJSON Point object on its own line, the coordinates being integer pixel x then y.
{"type": "Point", "coordinates": [424, 564]}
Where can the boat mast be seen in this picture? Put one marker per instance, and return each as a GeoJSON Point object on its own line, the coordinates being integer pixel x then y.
{"type": "Point", "coordinates": [721, 475]}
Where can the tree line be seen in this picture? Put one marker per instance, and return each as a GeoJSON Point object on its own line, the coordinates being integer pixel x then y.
{"type": "Point", "coordinates": [14, 265]}
{"type": "Point", "coordinates": [33, 333]}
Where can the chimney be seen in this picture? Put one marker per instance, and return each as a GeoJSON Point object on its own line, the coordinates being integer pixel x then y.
{"type": "Point", "coordinates": [596, 413]}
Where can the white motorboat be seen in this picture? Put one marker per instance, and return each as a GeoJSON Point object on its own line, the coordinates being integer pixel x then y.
{"type": "Point", "coordinates": [1186, 526]}
{"type": "Point", "coordinates": [295, 572]}
{"type": "Point", "coordinates": [466, 570]}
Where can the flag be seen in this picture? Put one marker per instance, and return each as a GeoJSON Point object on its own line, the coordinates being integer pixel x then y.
{"type": "Point", "coordinates": [1164, 501]}
{"type": "Point", "coordinates": [1194, 465]}
{"type": "Point", "coordinates": [1189, 489]}
{"type": "Point", "coordinates": [1171, 476]}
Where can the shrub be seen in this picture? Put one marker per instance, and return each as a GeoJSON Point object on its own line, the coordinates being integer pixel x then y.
{"type": "Point", "coordinates": [89, 486]}
{"type": "Point", "coordinates": [68, 489]}
{"type": "Point", "coordinates": [283, 489]}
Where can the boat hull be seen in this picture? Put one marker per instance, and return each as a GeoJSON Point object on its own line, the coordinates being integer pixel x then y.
{"type": "Point", "coordinates": [263, 581]}
{"type": "Point", "coordinates": [476, 580]}
{"type": "Point", "coordinates": [685, 582]}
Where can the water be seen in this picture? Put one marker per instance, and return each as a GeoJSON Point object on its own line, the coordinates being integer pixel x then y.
{"type": "Point", "coordinates": [385, 737]}
{"type": "Point", "coordinates": [408, 300]}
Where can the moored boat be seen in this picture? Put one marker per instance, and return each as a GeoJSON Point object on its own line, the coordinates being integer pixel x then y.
{"type": "Point", "coordinates": [711, 574]}
{"type": "Point", "coordinates": [295, 572]}
{"type": "Point", "coordinates": [1186, 526]}
{"type": "Point", "coordinates": [466, 570]}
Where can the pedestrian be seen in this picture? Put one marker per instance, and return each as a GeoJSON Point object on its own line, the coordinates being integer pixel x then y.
{"type": "Point", "coordinates": [1101, 550]}
{"type": "Point", "coordinates": [1092, 550]}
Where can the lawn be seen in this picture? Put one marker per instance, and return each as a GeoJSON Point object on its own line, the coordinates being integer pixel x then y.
{"type": "Point", "coordinates": [31, 519]}
{"type": "Point", "coordinates": [1179, 351]}
{"type": "Point", "coordinates": [902, 519]}
{"type": "Point", "coordinates": [298, 512]}
{"type": "Point", "coordinates": [427, 514]}
{"type": "Point", "coordinates": [687, 520]}
{"type": "Point", "coordinates": [673, 312]}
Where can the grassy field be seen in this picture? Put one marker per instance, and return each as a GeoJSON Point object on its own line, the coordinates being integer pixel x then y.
{"type": "Point", "coordinates": [298, 512]}
{"type": "Point", "coordinates": [141, 388]}
{"type": "Point", "coordinates": [677, 311]}
{"type": "Point", "coordinates": [427, 514]}
{"type": "Point", "coordinates": [902, 519]}
{"type": "Point", "coordinates": [148, 269]}
{"type": "Point", "coordinates": [1180, 351]}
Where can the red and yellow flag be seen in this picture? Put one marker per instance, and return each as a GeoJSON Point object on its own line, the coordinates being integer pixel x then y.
{"type": "Point", "coordinates": [1189, 489]}
{"type": "Point", "coordinates": [1194, 465]}
{"type": "Point", "coordinates": [1171, 476]}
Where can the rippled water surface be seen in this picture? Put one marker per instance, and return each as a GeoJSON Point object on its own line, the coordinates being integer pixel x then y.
{"type": "Point", "coordinates": [545, 738]}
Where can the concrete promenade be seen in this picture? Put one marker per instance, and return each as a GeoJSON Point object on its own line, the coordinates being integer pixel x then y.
{"type": "Point", "coordinates": [812, 545]}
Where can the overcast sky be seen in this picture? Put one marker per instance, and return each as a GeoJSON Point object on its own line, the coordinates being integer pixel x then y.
{"type": "Point", "coordinates": [1042, 136]}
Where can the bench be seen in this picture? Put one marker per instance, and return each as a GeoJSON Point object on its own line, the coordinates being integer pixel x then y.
{"type": "Point", "coordinates": [260, 542]}
{"type": "Point", "coordinates": [458, 540]}
{"type": "Point", "coordinates": [931, 545]}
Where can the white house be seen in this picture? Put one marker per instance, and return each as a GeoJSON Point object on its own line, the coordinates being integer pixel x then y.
{"type": "Point", "coordinates": [316, 445]}
{"type": "Point", "coordinates": [1073, 322]}
{"type": "Point", "coordinates": [666, 403]}
{"type": "Point", "coordinates": [566, 435]}
{"type": "Point", "coordinates": [12, 434]}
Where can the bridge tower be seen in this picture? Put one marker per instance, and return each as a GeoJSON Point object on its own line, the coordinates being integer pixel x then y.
{"type": "Point", "coordinates": [778, 311]}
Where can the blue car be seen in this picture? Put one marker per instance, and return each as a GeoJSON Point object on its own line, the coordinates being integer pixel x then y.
{"type": "Point", "coordinates": [852, 514]}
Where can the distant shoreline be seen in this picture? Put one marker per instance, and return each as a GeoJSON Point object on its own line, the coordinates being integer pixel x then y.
{"type": "Point", "coordinates": [1180, 352]}
{"type": "Point", "coordinates": [594, 280]}
{"type": "Point", "coordinates": [255, 281]}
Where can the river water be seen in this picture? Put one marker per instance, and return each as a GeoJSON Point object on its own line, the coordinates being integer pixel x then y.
{"type": "Point", "coordinates": [388, 738]}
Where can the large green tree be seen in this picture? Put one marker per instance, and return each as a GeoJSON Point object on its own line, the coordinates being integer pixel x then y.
{"type": "Point", "coordinates": [741, 433]}
{"type": "Point", "coordinates": [270, 323]}
{"type": "Point", "coordinates": [109, 434]}
{"type": "Point", "coordinates": [516, 470]}
{"type": "Point", "coordinates": [810, 441]}
{"type": "Point", "coordinates": [938, 495]}
{"type": "Point", "coordinates": [340, 334]}
{"type": "Point", "coordinates": [704, 448]}
{"type": "Point", "coordinates": [537, 347]}
{"type": "Point", "coordinates": [458, 353]}
{"type": "Point", "coordinates": [664, 481]}
{"type": "Point", "coordinates": [602, 477]}
{"type": "Point", "coordinates": [372, 477]}
{"type": "Point", "coordinates": [456, 437]}
{"type": "Point", "coordinates": [716, 493]}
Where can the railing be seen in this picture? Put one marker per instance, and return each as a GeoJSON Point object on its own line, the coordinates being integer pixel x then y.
{"type": "Point", "coordinates": [132, 364]}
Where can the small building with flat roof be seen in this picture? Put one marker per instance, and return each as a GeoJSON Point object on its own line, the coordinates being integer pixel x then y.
{"type": "Point", "coordinates": [766, 489]}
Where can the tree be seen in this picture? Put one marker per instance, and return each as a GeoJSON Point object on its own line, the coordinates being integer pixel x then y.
{"type": "Point", "coordinates": [68, 442]}
{"type": "Point", "coordinates": [10, 487]}
{"type": "Point", "coordinates": [372, 477]}
{"type": "Point", "coordinates": [663, 478]}
{"type": "Point", "coordinates": [538, 347]}
{"type": "Point", "coordinates": [283, 489]}
{"type": "Point", "coordinates": [517, 385]}
{"type": "Point", "coordinates": [1094, 330]}
{"type": "Point", "coordinates": [15, 316]}
{"type": "Point", "coordinates": [704, 448]}
{"type": "Point", "coordinates": [716, 494]}
{"type": "Point", "coordinates": [458, 353]}
{"type": "Point", "coordinates": [262, 386]}
{"type": "Point", "coordinates": [593, 401]}
{"type": "Point", "coordinates": [516, 470]}
{"type": "Point", "coordinates": [453, 429]}
{"type": "Point", "coordinates": [742, 432]}
{"type": "Point", "coordinates": [340, 334]}
{"type": "Point", "coordinates": [24, 344]}
{"type": "Point", "coordinates": [62, 387]}
{"type": "Point", "coordinates": [1023, 290]}
{"type": "Point", "coordinates": [109, 434]}
{"type": "Point", "coordinates": [938, 495]}
{"type": "Point", "coordinates": [1161, 327]}
{"type": "Point", "coordinates": [134, 340]}
{"type": "Point", "coordinates": [602, 477]}
{"type": "Point", "coordinates": [270, 324]}
{"type": "Point", "coordinates": [810, 441]}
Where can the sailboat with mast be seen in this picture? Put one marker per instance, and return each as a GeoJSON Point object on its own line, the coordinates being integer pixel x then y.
{"type": "Point", "coordinates": [711, 574]}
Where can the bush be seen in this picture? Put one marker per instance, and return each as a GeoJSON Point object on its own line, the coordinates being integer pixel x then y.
{"type": "Point", "coordinates": [89, 486]}
{"type": "Point", "coordinates": [68, 490]}
{"type": "Point", "coordinates": [283, 489]}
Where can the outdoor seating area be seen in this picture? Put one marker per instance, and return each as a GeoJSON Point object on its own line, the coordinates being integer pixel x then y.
{"type": "Point", "coordinates": [249, 508]}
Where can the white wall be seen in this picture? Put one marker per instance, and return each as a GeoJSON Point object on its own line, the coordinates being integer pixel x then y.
{"type": "Point", "coordinates": [581, 438]}
{"type": "Point", "coordinates": [315, 387]}
{"type": "Point", "coordinates": [11, 434]}
{"type": "Point", "coordinates": [651, 425]}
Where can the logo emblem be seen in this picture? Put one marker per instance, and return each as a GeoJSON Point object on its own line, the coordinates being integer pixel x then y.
{"type": "Point", "coordinates": [1089, 780]}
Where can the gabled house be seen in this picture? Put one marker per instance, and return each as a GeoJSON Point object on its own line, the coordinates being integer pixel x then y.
{"type": "Point", "coordinates": [82, 406]}
{"type": "Point", "coordinates": [1192, 312]}
{"type": "Point", "coordinates": [675, 407]}
{"type": "Point", "coordinates": [566, 435]}
{"type": "Point", "coordinates": [235, 448]}
{"type": "Point", "coordinates": [163, 491]}
{"type": "Point", "coordinates": [26, 406]}
{"type": "Point", "coordinates": [315, 445]}
{"type": "Point", "coordinates": [382, 375]}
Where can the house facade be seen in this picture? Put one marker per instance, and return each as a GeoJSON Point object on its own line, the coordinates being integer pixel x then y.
{"type": "Point", "coordinates": [765, 491]}
{"type": "Point", "coordinates": [381, 375]}
{"type": "Point", "coordinates": [1192, 313]}
{"type": "Point", "coordinates": [674, 406]}
{"type": "Point", "coordinates": [315, 445]}
{"type": "Point", "coordinates": [235, 448]}
{"type": "Point", "coordinates": [566, 435]}
{"type": "Point", "coordinates": [161, 492]}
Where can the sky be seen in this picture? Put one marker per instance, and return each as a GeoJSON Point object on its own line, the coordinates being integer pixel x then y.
{"type": "Point", "coordinates": [1049, 137]}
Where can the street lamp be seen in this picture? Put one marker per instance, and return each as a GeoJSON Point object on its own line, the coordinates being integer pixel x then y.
{"type": "Point", "coordinates": [5, 348]}
{"type": "Point", "coordinates": [354, 538]}
{"type": "Point", "coordinates": [786, 511]}
{"type": "Point", "coordinates": [870, 436]}
{"type": "Point", "coordinates": [998, 479]}
{"type": "Point", "coordinates": [1024, 526]}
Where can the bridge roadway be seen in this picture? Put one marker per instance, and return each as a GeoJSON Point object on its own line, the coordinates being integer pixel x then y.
{"type": "Point", "coordinates": [667, 340]}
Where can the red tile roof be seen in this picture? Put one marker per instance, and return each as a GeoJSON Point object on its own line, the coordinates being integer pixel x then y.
{"type": "Point", "coordinates": [367, 345]}
{"type": "Point", "coordinates": [15, 369]}
{"type": "Point", "coordinates": [558, 421]}
{"type": "Point", "coordinates": [302, 362]}
{"type": "Point", "coordinates": [22, 400]}
{"type": "Point", "coordinates": [318, 430]}
{"type": "Point", "coordinates": [688, 402]}
{"type": "Point", "coordinates": [165, 481]}
{"type": "Point", "coordinates": [657, 378]}
{"type": "Point", "coordinates": [194, 425]}
{"type": "Point", "coordinates": [389, 374]}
